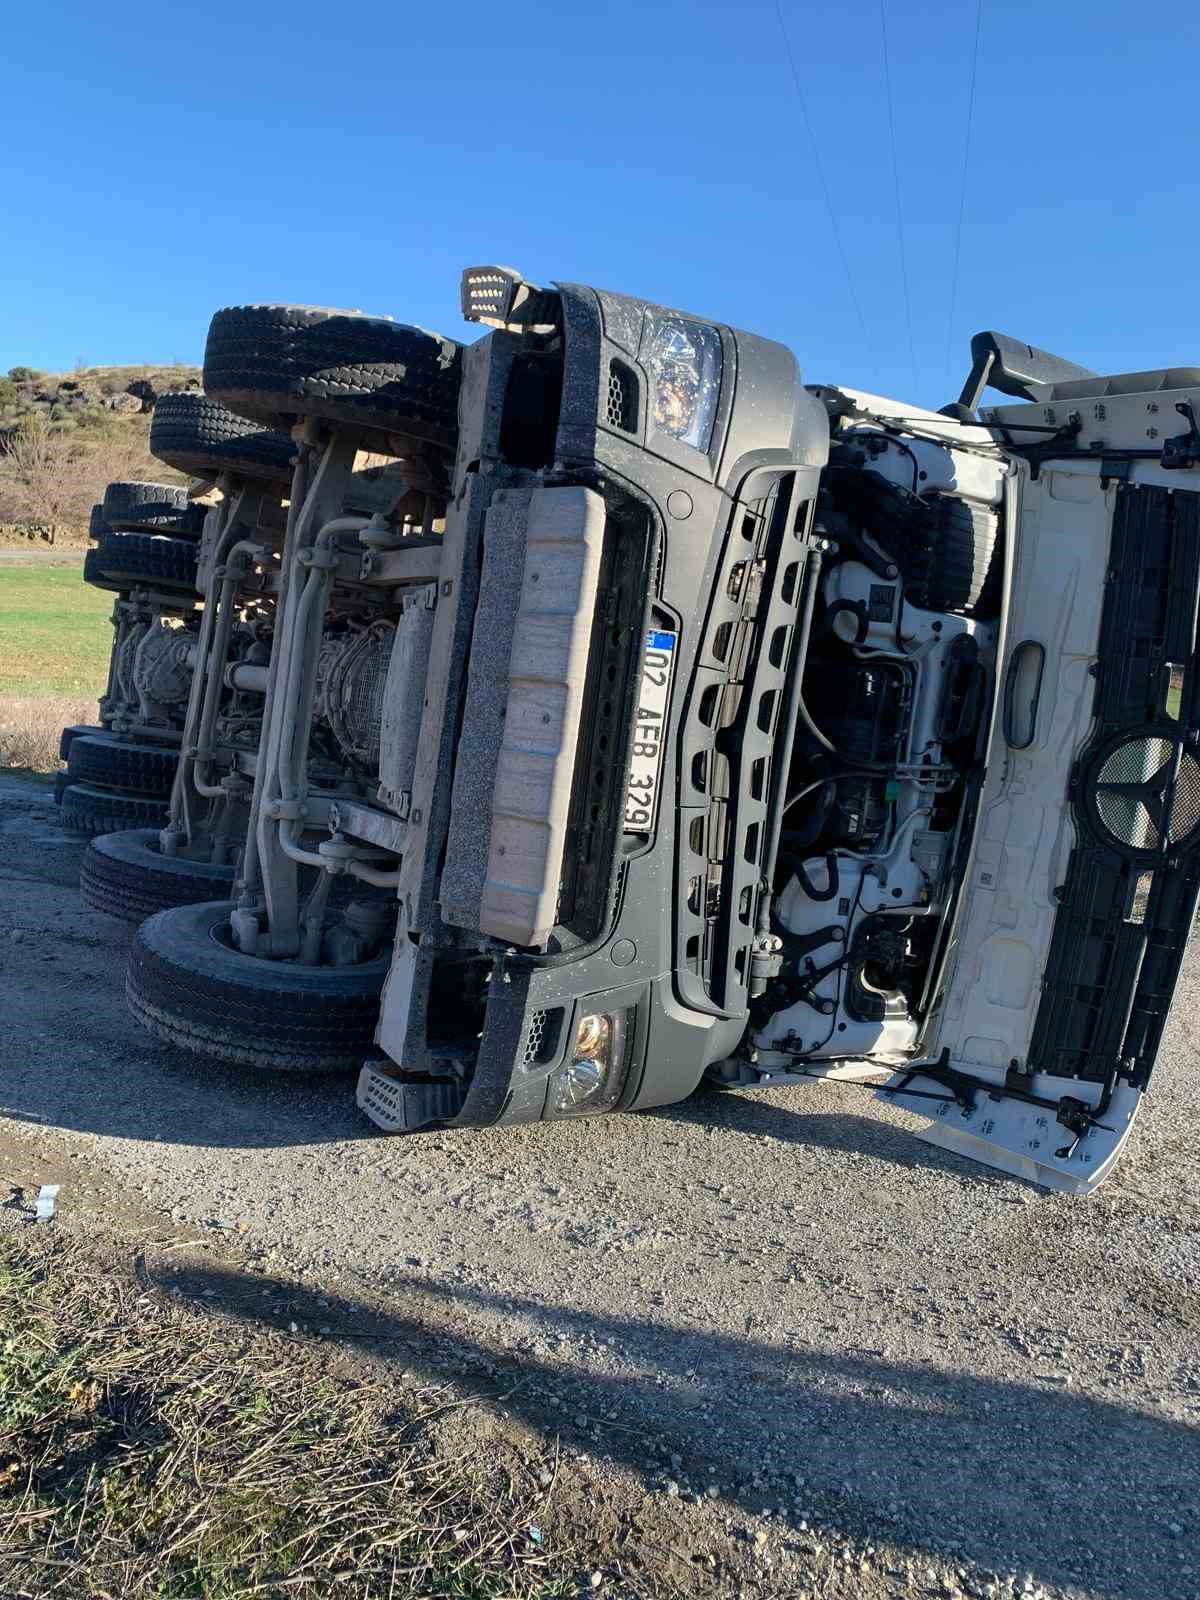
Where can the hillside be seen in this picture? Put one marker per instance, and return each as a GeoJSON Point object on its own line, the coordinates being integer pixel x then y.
{"type": "Point", "coordinates": [63, 436]}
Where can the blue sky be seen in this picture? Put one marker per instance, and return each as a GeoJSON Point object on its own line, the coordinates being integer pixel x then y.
{"type": "Point", "coordinates": [165, 160]}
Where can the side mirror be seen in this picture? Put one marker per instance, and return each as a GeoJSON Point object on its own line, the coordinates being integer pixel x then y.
{"type": "Point", "coordinates": [1021, 370]}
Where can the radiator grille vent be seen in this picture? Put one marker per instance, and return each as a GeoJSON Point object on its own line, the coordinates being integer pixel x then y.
{"type": "Point", "coordinates": [622, 404]}
{"type": "Point", "coordinates": [541, 1041]}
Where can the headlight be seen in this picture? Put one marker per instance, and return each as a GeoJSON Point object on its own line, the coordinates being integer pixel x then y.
{"type": "Point", "coordinates": [592, 1079]}
{"type": "Point", "coordinates": [684, 362]}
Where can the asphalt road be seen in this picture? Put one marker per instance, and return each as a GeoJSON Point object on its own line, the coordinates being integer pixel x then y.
{"type": "Point", "coordinates": [956, 1377]}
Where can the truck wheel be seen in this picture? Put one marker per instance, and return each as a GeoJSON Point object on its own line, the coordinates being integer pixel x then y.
{"type": "Point", "coordinates": [122, 764]}
{"type": "Point", "coordinates": [190, 986]}
{"type": "Point", "coordinates": [60, 783]}
{"type": "Point", "coordinates": [96, 522]}
{"type": "Point", "coordinates": [93, 575]}
{"type": "Point", "coordinates": [127, 875]}
{"type": "Point", "coordinates": [277, 363]}
{"type": "Point", "coordinates": [125, 497]}
{"type": "Point", "coordinates": [85, 809]}
{"type": "Point", "coordinates": [78, 730]}
{"type": "Point", "coordinates": [123, 560]}
{"type": "Point", "coordinates": [151, 508]}
{"type": "Point", "coordinates": [152, 518]}
{"type": "Point", "coordinates": [203, 437]}
{"type": "Point", "coordinates": [954, 562]}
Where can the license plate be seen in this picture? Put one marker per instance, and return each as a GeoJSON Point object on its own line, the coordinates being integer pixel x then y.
{"type": "Point", "coordinates": [649, 731]}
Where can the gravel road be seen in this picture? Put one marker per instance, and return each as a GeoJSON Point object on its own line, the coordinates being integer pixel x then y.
{"type": "Point", "coordinates": [928, 1375]}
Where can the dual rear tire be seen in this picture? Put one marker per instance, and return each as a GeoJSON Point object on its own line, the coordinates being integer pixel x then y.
{"type": "Point", "coordinates": [86, 809]}
{"type": "Point", "coordinates": [161, 508]}
{"type": "Point", "coordinates": [112, 783]}
{"type": "Point", "coordinates": [278, 363]}
{"type": "Point", "coordinates": [123, 561]}
{"type": "Point", "coordinates": [126, 875]}
{"type": "Point", "coordinates": [102, 759]}
{"type": "Point", "coordinates": [191, 987]}
{"type": "Point", "coordinates": [198, 435]}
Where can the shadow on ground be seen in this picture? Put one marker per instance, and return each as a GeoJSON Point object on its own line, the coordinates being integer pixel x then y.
{"type": "Point", "coordinates": [167, 1095]}
{"type": "Point", "coordinates": [753, 1115]}
{"type": "Point", "coordinates": [1002, 1474]}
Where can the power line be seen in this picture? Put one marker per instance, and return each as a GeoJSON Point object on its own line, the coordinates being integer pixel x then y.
{"type": "Point", "coordinates": [887, 77]}
{"type": "Point", "coordinates": [816, 154]}
{"type": "Point", "coordinates": [962, 193]}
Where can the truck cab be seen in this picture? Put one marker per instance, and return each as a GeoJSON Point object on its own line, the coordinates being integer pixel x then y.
{"type": "Point", "coordinates": [773, 732]}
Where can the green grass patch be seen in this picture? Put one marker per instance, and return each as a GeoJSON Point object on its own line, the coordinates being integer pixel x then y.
{"type": "Point", "coordinates": [55, 636]}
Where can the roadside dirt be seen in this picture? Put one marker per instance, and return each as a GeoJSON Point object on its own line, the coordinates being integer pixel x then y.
{"type": "Point", "coordinates": [803, 1351]}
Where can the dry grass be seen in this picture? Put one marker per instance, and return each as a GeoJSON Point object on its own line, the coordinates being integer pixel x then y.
{"type": "Point", "coordinates": [30, 729]}
{"type": "Point", "coordinates": [148, 1450]}
{"type": "Point", "coordinates": [50, 478]}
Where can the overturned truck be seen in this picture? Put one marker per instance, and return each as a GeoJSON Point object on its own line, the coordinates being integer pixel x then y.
{"type": "Point", "coordinates": [655, 720]}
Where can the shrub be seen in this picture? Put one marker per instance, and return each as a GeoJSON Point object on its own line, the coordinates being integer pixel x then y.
{"type": "Point", "coordinates": [94, 418]}
{"type": "Point", "coordinates": [24, 374]}
{"type": "Point", "coordinates": [50, 474]}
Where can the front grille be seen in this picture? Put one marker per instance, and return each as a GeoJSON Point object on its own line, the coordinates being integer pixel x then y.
{"type": "Point", "coordinates": [597, 793]}
{"type": "Point", "coordinates": [1133, 876]}
{"type": "Point", "coordinates": [1185, 809]}
{"type": "Point", "coordinates": [1131, 788]}
{"type": "Point", "coordinates": [730, 729]}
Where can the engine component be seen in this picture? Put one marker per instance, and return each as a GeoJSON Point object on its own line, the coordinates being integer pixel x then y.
{"type": "Point", "coordinates": [809, 1014]}
{"type": "Point", "coordinates": [947, 546]}
{"type": "Point", "coordinates": [401, 720]}
{"type": "Point", "coordinates": [363, 926]}
{"type": "Point", "coordinates": [162, 665]}
{"type": "Point", "coordinates": [963, 692]}
{"type": "Point", "coordinates": [883, 967]}
{"type": "Point", "coordinates": [858, 813]}
{"type": "Point", "coordinates": [860, 707]}
{"type": "Point", "coordinates": [354, 670]}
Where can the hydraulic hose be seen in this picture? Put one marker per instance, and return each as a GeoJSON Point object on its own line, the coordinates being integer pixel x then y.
{"type": "Point", "coordinates": [830, 890]}
{"type": "Point", "coordinates": [248, 878]}
{"type": "Point", "coordinates": [238, 562]}
{"type": "Point", "coordinates": [379, 877]}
